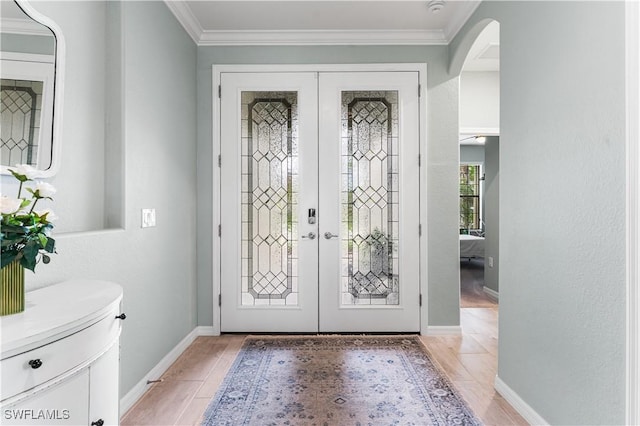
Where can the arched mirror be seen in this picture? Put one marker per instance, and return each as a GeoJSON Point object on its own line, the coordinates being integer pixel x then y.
{"type": "Point", "coordinates": [31, 69]}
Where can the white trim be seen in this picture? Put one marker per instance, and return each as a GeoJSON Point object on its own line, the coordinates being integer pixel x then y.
{"type": "Point", "coordinates": [440, 330]}
{"type": "Point", "coordinates": [632, 14]}
{"type": "Point", "coordinates": [491, 293]}
{"type": "Point", "coordinates": [185, 17]}
{"type": "Point", "coordinates": [136, 392]}
{"type": "Point", "coordinates": [320, 37]}
{"type": "Point", "coordinates": [528, 413]}
{"type": "Point", "coordinates": [479, 131]}
{"type": "Point", "coordinates": [216, 267]}
{"type": "Point", "coordinates": [206, 331]}
{"type": "Point", "coordinates": [23, 27]}
{"type": "Point", "coordinates": [27, 57]}
{"type": "Point", "coordinates": [421, 68]}
{"type": "Point", "coordinates": [424, 208]}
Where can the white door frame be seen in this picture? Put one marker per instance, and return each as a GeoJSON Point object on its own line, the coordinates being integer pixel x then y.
{"type": "Point", "coordinates": [632, 13]}
{"type": "Point", "coordinates": [216, 140]}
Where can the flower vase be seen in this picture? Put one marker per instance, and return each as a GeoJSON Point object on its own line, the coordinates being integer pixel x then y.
{"type": "Point", "coordinates": [12, 289]}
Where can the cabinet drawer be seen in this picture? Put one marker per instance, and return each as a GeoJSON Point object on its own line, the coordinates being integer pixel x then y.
{"type": "Point", "coordinates": [62, 404]}
{"type": "Point", "coordinates": [57, 357]}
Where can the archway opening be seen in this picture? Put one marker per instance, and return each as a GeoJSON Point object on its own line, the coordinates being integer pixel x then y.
{"type": "Point", "coordinates": [479, 168]}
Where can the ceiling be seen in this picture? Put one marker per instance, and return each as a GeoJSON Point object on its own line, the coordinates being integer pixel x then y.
{"type": "Point", "coordinates": [335, 22]}
{"type": "Point", "coordinates": [328, 22]}
{"type": "Point", "coordinates": [313, 22]}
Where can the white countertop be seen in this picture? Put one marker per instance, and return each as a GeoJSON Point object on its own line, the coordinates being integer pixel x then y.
{"type": "Point", "coordinates": [56, 311]}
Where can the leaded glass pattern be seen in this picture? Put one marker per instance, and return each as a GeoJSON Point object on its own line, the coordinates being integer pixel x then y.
{"type": "Point", "coordinates": [20, 109]}
{"type": "Point", "coordinates": [370, 198]}
{"type": "Point", "coordinates": [269, 193]}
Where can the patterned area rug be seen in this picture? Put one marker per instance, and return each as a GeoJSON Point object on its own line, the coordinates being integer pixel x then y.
{"type": "Point", "coordinates": [336, 380]}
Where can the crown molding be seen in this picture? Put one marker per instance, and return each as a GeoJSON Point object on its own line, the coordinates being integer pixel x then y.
{"type": "Point", "coordinates": [24, 27]}
{"type": "Point", "coordinates": [320, 37]}
{"type": "Point", "coordinates": [185, 17]}
{"type": "Point", "coordinates": [190, 23]}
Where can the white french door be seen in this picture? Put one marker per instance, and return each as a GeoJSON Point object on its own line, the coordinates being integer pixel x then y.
{"type": "Point", "coordinates": [319, 202]}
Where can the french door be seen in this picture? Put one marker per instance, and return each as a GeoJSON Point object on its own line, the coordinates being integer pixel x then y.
{"type": "Point", "coordinates": [319, 202]}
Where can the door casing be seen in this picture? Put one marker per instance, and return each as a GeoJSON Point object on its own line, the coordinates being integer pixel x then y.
{"type": "Point", "coordinates": [217, 70]}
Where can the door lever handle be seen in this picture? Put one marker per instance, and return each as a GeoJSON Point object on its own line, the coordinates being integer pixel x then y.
{"type": "Point", "coordinates": [329, 235]}
{"type": "Point", "coordinates": [310, 235]}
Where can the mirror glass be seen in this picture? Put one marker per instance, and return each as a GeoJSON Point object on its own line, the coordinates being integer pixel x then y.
{"type": "Point", "coordinates": [29, 74]}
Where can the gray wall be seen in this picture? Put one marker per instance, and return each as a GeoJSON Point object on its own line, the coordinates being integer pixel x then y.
{"type": "Point", "coordinates": [472, 154]}
{"type": "Point", "coordinates": [562, 205]}
{"type": "Point", "coordinates": [491, 208]}
{"type": "Point", "coordinates": [441, 158]}
{"type": "Point", "coordinates": [157, 102]}
{"type": "Point", "coordinates": [39, 45]}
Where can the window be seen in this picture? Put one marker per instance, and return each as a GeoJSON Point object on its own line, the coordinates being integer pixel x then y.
{"type": "Point", "coordinates": [469, 197]}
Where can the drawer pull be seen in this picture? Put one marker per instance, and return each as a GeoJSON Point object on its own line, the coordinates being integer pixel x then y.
{"type": "Point", "coordinates": [121, 316]}
{"type": "Point", "coordinates": [98, 422]}
{"type": "Point", "coordinates": [35, 363]}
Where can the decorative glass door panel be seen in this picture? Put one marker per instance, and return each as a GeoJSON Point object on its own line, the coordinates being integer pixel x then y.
{"type": "Point", "coordinates": [319, 202]}
{"type": "Point", "coordinates": [269, 198]}
{"type": "Point", "coordinates": [369, 198]}
{"type": "Point", "coordinates": [369, 202]}
{"type": "Point", "coordinates": [269, 178]}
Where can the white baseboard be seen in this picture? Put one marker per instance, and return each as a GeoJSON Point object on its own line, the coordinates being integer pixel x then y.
{"type": "Point", "coordinates": [528, 413]}
{"type": "Point", "coordinates": [128, 401]}
{"type": "Point", "coordinates": [491, 293]}
{"type": "Point", "coordinates": [439, 330]}
{"type": "Point", "coordinates": [206, 331]}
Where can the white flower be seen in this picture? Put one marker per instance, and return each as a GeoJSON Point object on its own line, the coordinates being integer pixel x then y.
{"type": "Point", "coordinates": [26, 170]}
{"type": "Point", "coordinates": [44, 190]}
{"type": "Point", "coordinates": [9, 205]}
{"type": "Point", "coordinates": [51, 216]}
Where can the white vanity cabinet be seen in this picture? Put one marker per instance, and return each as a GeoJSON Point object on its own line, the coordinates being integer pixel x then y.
{"type": "Point", "coordinates": [60, 357]}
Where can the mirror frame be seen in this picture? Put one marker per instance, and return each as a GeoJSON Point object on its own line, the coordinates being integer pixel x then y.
{"type": "Point", "coordinates": [58, 88]}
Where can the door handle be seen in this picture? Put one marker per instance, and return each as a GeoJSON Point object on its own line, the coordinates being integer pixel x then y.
{"type": "Point", "coordinates": [328, 235]}
{"type": "Point", "coordinates": [310, 235]}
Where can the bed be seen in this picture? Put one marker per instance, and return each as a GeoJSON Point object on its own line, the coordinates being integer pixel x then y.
{"type": "Point", "coordinates": [471, 246]}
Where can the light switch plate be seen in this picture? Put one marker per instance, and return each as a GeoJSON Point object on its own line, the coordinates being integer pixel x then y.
{"type": "Point", "coordinates": [148, 218]}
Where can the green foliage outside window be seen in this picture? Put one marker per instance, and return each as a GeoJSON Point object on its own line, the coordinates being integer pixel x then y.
{"type": "Point", "coordinates": [469, 197]}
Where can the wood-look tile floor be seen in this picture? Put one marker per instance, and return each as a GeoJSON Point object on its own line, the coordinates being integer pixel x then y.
{"type": "Point", "coordinates": [469, 360]}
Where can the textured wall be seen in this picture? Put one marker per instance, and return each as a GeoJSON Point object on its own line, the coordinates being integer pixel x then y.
{"type": "Point", "coordinates": [156, 266]}
{"type": "Point", "coordinates": [562, 205]}
{"type": "Point", "coordinates": [491, 211]}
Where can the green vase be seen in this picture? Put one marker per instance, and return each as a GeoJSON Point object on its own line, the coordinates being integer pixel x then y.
{"type": "Point", "coordinates": [12, 289]}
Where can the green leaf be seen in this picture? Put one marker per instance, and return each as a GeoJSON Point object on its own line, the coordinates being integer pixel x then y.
{"type": "Point", "coordinates": [30, 255]}
{"type": "Point", "coordinates": [43, 240]}
{"type": "Point", "coordinates": [51, 245]}
{"type": "Point", "coordinates": [21, 178]}
{"type": "Point", "coordinates": [28, 263]}
{"type": "Point", "coordinates": [7, 258]}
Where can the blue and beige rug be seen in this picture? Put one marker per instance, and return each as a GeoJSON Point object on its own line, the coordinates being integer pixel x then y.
{"type": "Point", "coordinates": [336, 380]}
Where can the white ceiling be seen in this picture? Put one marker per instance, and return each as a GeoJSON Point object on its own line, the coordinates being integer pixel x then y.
{"type": "Point", "coordinates": [307, 22]}
{"type": "Point", "coordinates": [324, 22]}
